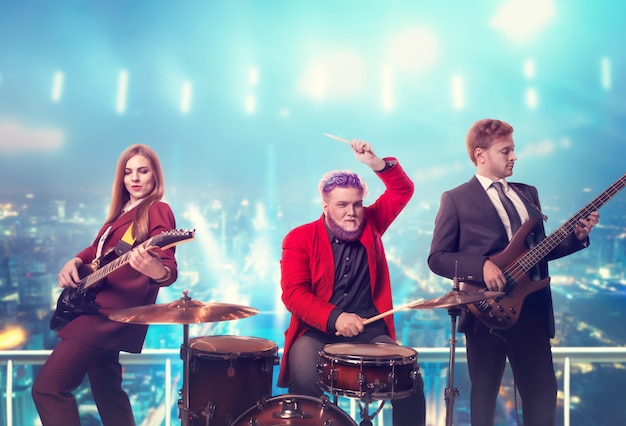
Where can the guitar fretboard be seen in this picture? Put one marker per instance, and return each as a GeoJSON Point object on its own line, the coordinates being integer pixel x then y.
{"type": "Point", "coordinates": [533, 256]}
{"type": "Point", "coordinates": [99, 274]}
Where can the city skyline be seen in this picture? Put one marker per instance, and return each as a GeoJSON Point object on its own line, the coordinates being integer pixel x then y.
{"type": "Point", "coordinates": [235, 97]}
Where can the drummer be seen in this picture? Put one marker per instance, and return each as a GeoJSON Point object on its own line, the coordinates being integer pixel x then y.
{"type": "Point", "coordinates": [334, 275]}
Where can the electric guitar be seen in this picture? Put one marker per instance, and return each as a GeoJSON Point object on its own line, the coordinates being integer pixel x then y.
{"type": "Point", "coordinates": [516, 260]}
{"type": "Point", "coordinates": [82, 300]}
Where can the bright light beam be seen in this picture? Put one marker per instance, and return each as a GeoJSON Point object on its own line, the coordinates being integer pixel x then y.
{"type": "Point", "coordinates": [122, 87]}
{"type": "Point", "coordinates": [522, 19]}
{"type": "Point", "coordinates": [458, 92]}
{"type": "Point", "coordinates": [532, 99]}
{"type": "Point", "coordinates": [57, 86]}
{"type": "Point", "coordinates": [185, 98]}
{"type": "Point", "coordinates": [387, 88]}
{"type": "Point", "coordinates": [529, 69]}
{"type": "Point", "coordinates": [606, 73]}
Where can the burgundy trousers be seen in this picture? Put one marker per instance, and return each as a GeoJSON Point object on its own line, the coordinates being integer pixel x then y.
{"type": "Point", "coordinates": [64, 371]}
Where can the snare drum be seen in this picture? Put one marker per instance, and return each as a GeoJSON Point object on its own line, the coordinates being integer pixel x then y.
{"type": "Point", "coordinates": [374, 371]}
{"type": "Point", "coordinates": [294, 410]}
{"type": "Point", "coordinates": [227, 374]}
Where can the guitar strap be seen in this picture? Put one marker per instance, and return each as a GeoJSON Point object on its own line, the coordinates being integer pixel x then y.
{"type": "Point", "coordinates": [530, 202]}
{"type": "Point", "coordinates": [126, 243]}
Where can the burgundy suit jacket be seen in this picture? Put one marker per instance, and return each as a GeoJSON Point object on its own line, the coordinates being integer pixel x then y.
{"type": "Point", "coordinates": [308, 268]}
{"type": "Point", "coordinates": [468, 230]}
{"type": "Point", "coordinates": [124, 288]}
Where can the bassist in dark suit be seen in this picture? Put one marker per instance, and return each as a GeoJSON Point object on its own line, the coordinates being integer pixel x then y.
{"type": "Point", "coordinates": [90, 343]}
{"type": "Point", "coordinates": [471, 226]}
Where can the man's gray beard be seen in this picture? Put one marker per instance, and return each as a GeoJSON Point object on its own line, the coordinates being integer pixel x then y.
{"type": "Point", "coordinates": [342, 234]}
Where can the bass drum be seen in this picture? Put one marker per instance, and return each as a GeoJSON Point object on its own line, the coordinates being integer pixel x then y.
{"type": "Point", "coordinates": [294, 410]}
{"type": "Point", "coordinates": [227, 374]}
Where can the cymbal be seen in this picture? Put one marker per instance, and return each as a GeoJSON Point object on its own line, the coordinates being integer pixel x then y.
{"type": "Point", "coordinates": [457, 298]}
{"type": "Point", "coordinates": [183, 311]}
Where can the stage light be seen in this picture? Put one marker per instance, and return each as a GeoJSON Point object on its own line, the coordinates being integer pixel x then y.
{"type": "Point", "coordinates": [522, 19]}
{"type": "Point", "coordinates": [458, 92]}
{"type": "Point", "coordinates": [250, 104]}
{"type": "Point", "coordinates": [12, 337]}
{"type": "Point", "coordinates": [606, 73]}
{"type": "Point", "coordinates": [337, 74]}
{"type": "Point", "coordinates": [253, 76]}
{"type": "Point", "coordinates": [413, 50]}
{"type": "Point", "coordinates": [532, 99]}
{"type": "Point", "coordinates": [122, 87]}
{"type": "Point", "coordinates": [529, 69]}
{"type": "Point", "coordinates": [387, 88]}
{"type": "Point", "coordinates": [57, 86]}
{"type": "Point", "coordinates": [185, 98]}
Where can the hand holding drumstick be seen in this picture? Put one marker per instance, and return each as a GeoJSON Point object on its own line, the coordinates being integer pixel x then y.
{"type": "Point", "coordinates": [349, 324]}
{"type": "Point", "coordinates": [363, 152]}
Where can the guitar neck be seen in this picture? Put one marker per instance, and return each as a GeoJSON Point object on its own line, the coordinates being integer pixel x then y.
{"type": "Point", "coordinates": [102, 272]}
{"type": "Point", "coordinates": [533, 256]}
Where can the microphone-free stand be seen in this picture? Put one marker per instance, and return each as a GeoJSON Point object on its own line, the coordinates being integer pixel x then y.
{"type": "Point", "coordinates": [452, 392]}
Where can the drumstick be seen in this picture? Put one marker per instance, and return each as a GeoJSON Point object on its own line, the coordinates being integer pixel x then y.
{"type": "Point", "coordinates": [337, 138]}
{"type": "Point", "coordinates": [392, 311]}
{"type": "Point", "coordinates": [389, 312]}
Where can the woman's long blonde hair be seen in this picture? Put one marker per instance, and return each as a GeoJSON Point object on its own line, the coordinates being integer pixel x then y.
{"type": "Point", "coordinates": [120, 196]}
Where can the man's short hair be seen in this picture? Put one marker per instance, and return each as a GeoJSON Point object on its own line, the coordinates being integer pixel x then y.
{"type": "Point", "coordinates": [483, 133]}
{"type": "Point", "coordinates": [341, 179]}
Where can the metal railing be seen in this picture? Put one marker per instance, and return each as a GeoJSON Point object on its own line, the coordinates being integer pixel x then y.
{"type": "Point", "coordinates": [565, 355]}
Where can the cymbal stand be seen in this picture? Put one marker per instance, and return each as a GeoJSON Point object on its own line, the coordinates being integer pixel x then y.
{"type": "Point", "coordinates": [184, 402]}
{"type": "Point", "coordinates": [451, 392]}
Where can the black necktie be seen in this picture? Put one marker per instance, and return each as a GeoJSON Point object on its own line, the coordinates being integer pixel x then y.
{"type": "Point", "coordinates": [511, 211]}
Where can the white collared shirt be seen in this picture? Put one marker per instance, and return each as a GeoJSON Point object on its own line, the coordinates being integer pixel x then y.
{"type": "Point", "coordinates": [493, 196]}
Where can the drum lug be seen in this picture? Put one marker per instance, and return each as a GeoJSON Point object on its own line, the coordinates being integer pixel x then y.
{"type": "Point", "coordinates": [209, 409]}
{"type": "Point", "coordinates": [291, 410]}
{"type": "Point", "coordinates": [361, 379]}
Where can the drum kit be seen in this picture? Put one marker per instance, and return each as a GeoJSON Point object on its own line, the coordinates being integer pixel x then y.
{"type": "Point", "coordinates": [227, 380]}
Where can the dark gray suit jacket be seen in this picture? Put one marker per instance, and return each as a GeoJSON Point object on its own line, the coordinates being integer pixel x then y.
{"type": "Point", "coordinates": [468, 230]}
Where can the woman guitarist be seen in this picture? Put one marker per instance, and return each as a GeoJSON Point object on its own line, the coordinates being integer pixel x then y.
{"type": "Point", "coordinates": [90, 343]}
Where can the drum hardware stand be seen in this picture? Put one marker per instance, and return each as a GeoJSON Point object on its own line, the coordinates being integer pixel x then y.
{"type": "Point", "coordinates": [365, 416]}
{"type": "Point", "coordinates": [452, 392]}
{"type": "Point", "coordinates": [183, 311]}
{"type": "Point", "coordinates": [183, 403]}
{"type": "Point", "coordinates": [209, 412]}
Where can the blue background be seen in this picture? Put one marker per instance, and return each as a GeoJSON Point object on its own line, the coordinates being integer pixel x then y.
{"type": "Point", "coordinates": [243, 156]}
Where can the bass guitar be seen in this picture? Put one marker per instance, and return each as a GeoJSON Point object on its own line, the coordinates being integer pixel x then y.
{"type": "Point", "coordinates": [516, 260]}
{"type": "Point", "coordinates": [82, 299]}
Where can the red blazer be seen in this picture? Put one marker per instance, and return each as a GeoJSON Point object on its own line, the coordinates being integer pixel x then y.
{"type": "Point", "coordinates": [123, 288]}
{"type": "Point", "coordinates": [307, 264]}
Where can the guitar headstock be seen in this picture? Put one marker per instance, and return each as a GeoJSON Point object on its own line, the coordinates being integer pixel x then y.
{"type": "Point", "coordinates": [171, 238]}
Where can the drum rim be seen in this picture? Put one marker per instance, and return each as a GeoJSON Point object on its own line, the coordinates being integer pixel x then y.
{"type": "Point", "coordinates": [261, 405]}
{"type": "Point", "coordinates": [270, 348]}
{"type": "Point", "coordinates": [410, 355]}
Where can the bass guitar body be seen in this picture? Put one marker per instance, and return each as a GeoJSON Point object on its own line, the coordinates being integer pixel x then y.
{"type": "Point", "coordinates": [517, 261]}
{"type": "Point", "coordinates": [503, 311]}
